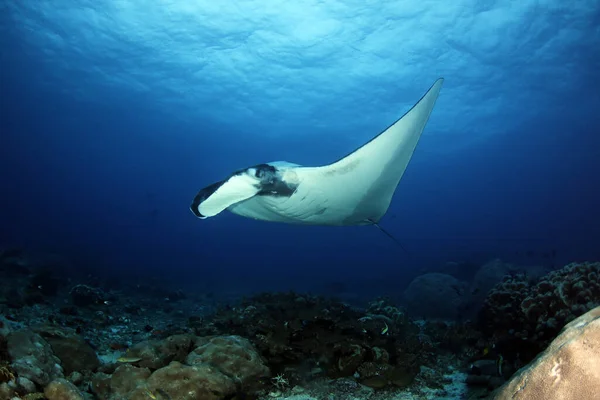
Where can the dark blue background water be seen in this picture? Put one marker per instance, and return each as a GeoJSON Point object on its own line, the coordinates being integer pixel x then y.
{"type": "Point", "coordinates": [113, 116]}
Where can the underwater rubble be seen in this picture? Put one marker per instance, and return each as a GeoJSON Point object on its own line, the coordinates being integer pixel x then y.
{"type": "Point", "coordinates": [88, 339]}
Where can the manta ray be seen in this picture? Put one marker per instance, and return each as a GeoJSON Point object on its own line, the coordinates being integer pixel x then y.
{"type": "Point", "coordinates": [354, 190]}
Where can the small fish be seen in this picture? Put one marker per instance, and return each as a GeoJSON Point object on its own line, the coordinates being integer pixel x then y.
{"type": "Point", "coordinates": [386, 329]}
{"type": "Point", "coordinates": [164, 395]}
{"type": "Point", "coordinates": [129, 359]}
{"type": "Point", "coordinates": [486, 351]}
{"type": "Point", "coordinates": [499, 363]}
{"type": "Point", "coordinates": [157, 394]}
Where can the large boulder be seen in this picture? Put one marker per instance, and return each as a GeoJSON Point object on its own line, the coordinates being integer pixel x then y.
{"type": "Point", "coordinates": [184, 382]}
{"type": "Point", "coordinates": [74, 352]}
{"type": "Point", "coordinates": [569, 369]}
{"type": "Point", "coordinates": [62, 389]}
{"type": "Point", "coordinates": [435, 295]}
{"type": "Point", "coordinates": [156, 354]}
{"type": "Point", "coordinates": [488, 276]}
{"type": "Point", "coordinates": [232, 355]}
{"type": "Point", "coordinates": [217, 368]}
{"type": "Point", "coordinates": [32, 358]}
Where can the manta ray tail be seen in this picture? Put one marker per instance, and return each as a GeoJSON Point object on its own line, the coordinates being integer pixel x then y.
{"type": "Point", "coordinates": [390, 236]}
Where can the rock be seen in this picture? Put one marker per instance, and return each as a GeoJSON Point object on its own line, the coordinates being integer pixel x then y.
{"type": "Point", "coordinates": [484, 367]}
{"type": "Point", "coordinates": [62, 389]}
{"type": "Point", "coordinates": [159, 353]}
{"type": "Point", "coordinates": [25, 385]}
{"type": "Point", "coordinates": [380, 355]}
{"type": "Point", "coordinates": [74, 353]}
{"type": "Point", "coordinates": [6, 391]}
{"type": "Point", "coordinates": [183, 382]}
{"type": "Point", "coordinates": [100, 385]}
{"type": "Point", "coordinates": [350, 356]}
{"type": "Point", "coordinates": [488, 276]}
{"type": "Point", "coordinates": [126, 378]}
{"type": "Point", "coordinates": [122, 384]}
{"type": "Point", "coordinates": [435, 295]}
{"type": "Point", "coordinates": [75, 378]}
{"type": "Point", "coordinates": [85, 296]}
{"type": "Point", "coordinates": [233, 355]}
{"type": "Point", "coordinates": [33, 357]}
{"type": "Point", "coordinates": [350, 389]}
{"type": "Point", "coordinates": [569, 369]}
{"type": "Point", "coordinates": [5, 326]}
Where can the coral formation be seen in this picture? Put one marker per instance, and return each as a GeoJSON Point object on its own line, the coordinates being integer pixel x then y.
{"type": "Point", "coordinates": [86, 340]}
{"type": "Point", "coordinates": [296, 333]}
{"type": "Point", "coordinates": [525, 316]}
{"type": "Point", "coordinates": [569, 369]}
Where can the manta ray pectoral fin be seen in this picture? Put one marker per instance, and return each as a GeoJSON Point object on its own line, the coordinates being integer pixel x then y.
{"type": "Point", "coordinates": [360, 186]}
{"type": "Point", "coordinates": [215, 198]}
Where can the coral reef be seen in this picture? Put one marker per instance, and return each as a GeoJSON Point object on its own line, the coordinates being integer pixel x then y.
{"type": "Point", "coordinates": [523, 317]}
{"type": "Point", "coordinates": [100, 339]}
{"type": "Point", "coordinates": [307, 336]}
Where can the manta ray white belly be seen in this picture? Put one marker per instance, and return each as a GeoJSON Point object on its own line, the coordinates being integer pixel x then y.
{"type": "Point", "coordinates": [355, 190]}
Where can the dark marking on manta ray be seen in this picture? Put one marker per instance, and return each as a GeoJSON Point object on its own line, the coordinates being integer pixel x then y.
{"type": "Point", "coordinates": [203, 195]}
{"type": "Point", "coordinates": [343, 170]}
{"type": "Point", "coordinates": [271, 183]}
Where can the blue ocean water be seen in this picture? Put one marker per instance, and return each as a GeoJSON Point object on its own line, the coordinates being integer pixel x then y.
{"type": "Point", "coordinates": [114, 114]}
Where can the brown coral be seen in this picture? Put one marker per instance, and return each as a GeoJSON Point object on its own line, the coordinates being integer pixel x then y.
{"type": "Point", "coordinates": [309, 333]}
{"type": "Point", "coordinates": [516, 311]}
{"type": "Point", "coordinates": [6, 374]}
{"type": "Point", "coordinates": [569, 369]}
{"type": "Point", "coordinates": [560, 297]}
